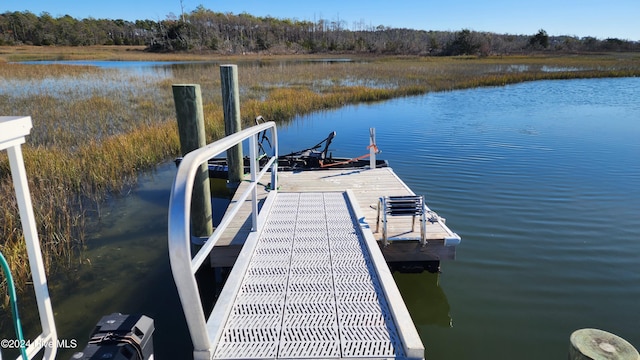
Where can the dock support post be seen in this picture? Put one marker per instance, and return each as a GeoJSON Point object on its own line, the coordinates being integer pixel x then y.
{"type": "Point", "coordinates": [589, 344]}
{"type": "Point", "coordinates": [232, 120]}
{"type": "Point", "coordinates": [190, 115]}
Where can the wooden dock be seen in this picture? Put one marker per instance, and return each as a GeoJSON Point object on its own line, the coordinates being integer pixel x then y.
{"type": "Point", "coordinates": [368, 185]}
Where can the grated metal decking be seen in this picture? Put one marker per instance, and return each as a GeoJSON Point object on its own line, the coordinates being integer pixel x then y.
{"type": "Point", "coordinates": [310, 290]}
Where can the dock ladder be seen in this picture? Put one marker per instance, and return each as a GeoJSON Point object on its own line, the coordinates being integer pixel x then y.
{"type": "Point", "coordinates": [409, 205]}
{"type": "Point", "coordinates": [309, 282]}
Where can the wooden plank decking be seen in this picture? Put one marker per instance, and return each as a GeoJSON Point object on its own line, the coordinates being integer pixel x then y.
{"type": "Point", "coordinates": [368, 185]}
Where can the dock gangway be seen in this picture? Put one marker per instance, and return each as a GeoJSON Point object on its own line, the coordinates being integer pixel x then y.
{"type": "Point", "coordinates": [310, 280]}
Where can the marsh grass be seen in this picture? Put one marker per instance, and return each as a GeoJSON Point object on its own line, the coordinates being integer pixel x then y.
{"type": "Point", "coordinates": [96, 129]}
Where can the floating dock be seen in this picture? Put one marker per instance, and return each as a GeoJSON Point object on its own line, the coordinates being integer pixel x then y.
{"type": "Point", "coordinates": [309, 279]}
{"type": "Point", "coordinates": [368, 186]}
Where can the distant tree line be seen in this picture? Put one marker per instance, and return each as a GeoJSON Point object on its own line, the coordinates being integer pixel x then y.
{"type": "Point", "coordinates": [18, 28]}
{"type": "Point", "coordinates": [225, 33]}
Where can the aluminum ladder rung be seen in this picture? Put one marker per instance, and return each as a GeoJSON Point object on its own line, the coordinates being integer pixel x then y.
{"type": "Point", "coordinates": [408, 205]}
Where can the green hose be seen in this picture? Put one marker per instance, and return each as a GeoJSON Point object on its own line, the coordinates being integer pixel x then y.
{"type": "Point", "coordinates": [11, 288]}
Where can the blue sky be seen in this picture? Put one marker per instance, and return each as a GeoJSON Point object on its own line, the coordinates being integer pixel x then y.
{"type": "Point", "coordinates": [599, 18]}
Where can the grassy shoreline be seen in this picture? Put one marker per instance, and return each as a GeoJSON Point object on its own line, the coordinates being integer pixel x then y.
{"type": "Point", "coordinates": [87, 144]}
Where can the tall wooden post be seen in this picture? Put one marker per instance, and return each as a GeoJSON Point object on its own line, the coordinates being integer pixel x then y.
{"type": "Point", "coordinates": [188, 101]}
{"type": "Point", "coordinates": [232, 121]}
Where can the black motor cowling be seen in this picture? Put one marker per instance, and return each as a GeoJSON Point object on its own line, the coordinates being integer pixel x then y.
{"type": "Point", "coordinates": [120, 337]}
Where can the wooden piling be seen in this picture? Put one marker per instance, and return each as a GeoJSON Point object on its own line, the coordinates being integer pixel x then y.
{"type": "Point", "coordinates": [232, 121]}
{"type": "Point", "coordinates": [588, 344]}
{"type": "Point", "coordinates": [190, 115]}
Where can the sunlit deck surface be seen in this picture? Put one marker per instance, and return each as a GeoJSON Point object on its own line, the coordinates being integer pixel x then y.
{"type": "Point", "coordinates": [367, 185]}
{"type": "Point", "coordinates": [312, 283]}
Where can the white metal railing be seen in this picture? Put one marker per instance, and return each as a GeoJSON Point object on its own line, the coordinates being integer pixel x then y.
{"type": "Point", "coordinates": [13, 130]}
{"type": "Point", "coordinates": [183, 264]}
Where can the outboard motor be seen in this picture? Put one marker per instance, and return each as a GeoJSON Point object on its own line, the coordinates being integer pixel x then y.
{"type": "Point", "coordinates": [120, 337]}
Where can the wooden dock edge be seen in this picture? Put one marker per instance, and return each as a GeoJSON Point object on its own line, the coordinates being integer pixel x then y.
{"type": "Point", "coordinates": [413, 347]}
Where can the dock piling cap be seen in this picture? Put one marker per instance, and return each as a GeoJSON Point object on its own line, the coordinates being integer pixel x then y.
{"type": "Point", "coordinates": [599, 344]}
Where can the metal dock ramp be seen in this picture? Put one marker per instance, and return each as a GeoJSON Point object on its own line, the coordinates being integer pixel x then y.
{"type": "Point", "coordinates": [309, 283]}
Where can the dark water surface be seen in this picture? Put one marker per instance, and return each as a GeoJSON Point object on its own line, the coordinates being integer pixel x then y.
{"type": "Point", "coordinates": [541, 180]}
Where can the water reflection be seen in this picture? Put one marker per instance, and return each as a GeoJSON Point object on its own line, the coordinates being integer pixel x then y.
{"type": "Point", "coordinates": [157, 68]}
{"type": "Point", "coordinates": [139, 68]}
{"type": "Point", "coordinates": [425, 299]}
{"type": "Point", "coordinates": [516, 68]}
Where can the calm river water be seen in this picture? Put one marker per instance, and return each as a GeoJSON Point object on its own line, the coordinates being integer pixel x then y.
{"type": "Point", "coordinates": [541, 180]}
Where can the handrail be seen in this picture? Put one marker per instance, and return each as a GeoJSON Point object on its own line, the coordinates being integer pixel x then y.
{"type": "Point", "coordinates": [183, 266]}
{"type": "Point", "coordinates": [13, 130]}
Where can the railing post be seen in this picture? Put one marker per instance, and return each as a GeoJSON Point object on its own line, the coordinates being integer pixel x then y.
{"type": "Point", "coordinates": [253, 153]}
{"type": "Point", "coordinates": [232, 121]}
{"type": "Point", "coordinates": [190, 115]}
{"type": "Point", "coordinates": [274, 168]}
{"type": "Point", "coordinates": [12, 134]}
